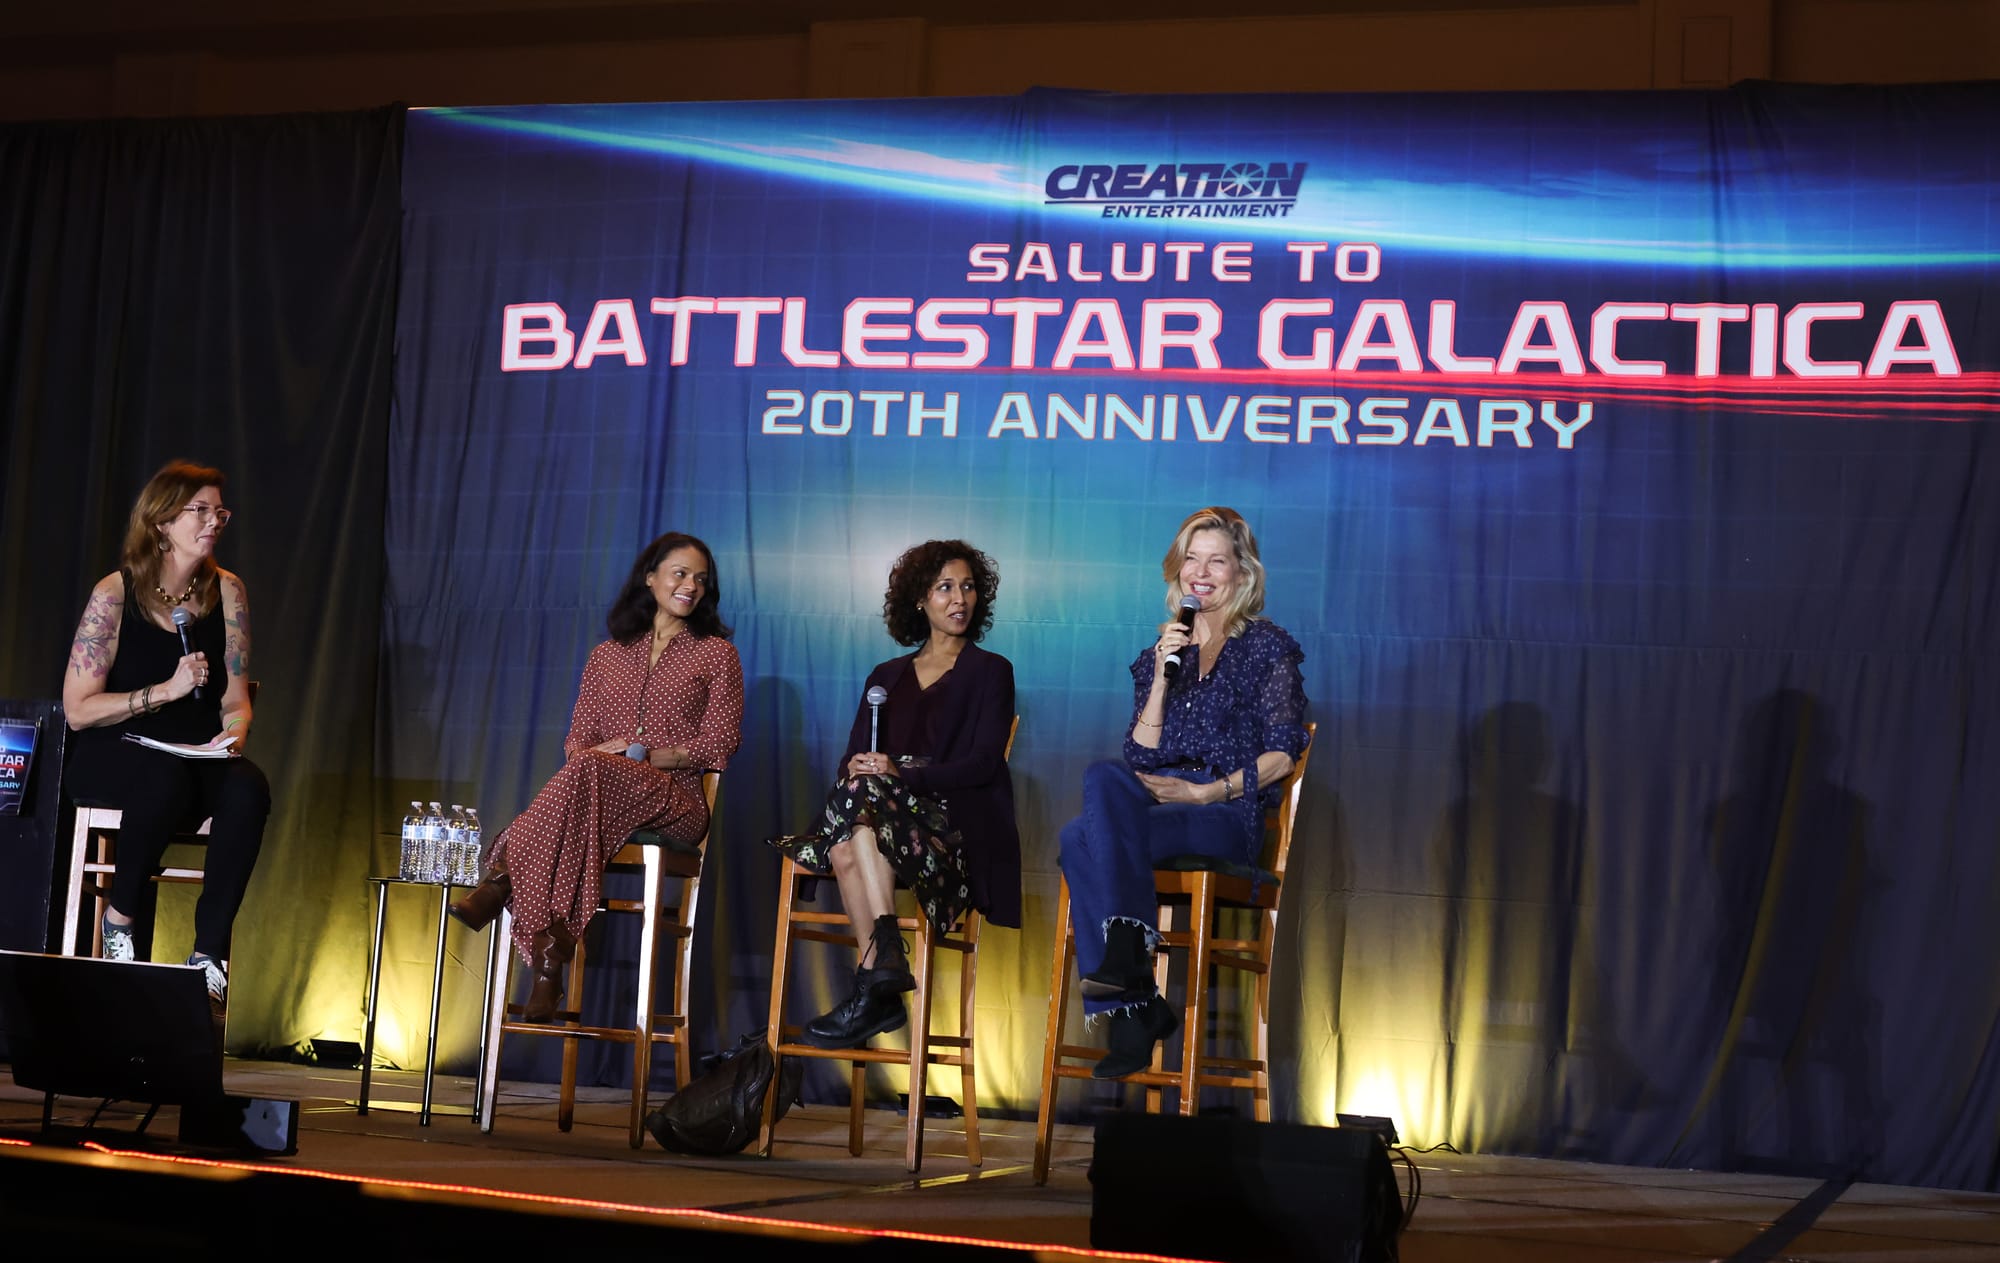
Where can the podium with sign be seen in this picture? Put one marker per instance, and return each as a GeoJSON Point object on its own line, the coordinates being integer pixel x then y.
{"type": "Point", "coordinates": [31, 750]}
{"type": "Point", "coordinates": [32, 736]}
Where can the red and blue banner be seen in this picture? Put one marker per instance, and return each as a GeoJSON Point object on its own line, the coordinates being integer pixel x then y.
{"type": "Point", "coordinates": [17, 757]}
{"type": "Point", "coordinates": [1623, 462]}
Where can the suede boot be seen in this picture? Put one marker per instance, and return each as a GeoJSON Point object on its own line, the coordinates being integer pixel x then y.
{"type": "Point", "coordinates": [864, 1014]}
{"type": "Point", "coordinates": [1127, 965]}
{"type": "Point", "coordinates": [483, 902]}
{"type": "Point", "coordinates": [551, 951]}
{"type": "Point", "coordinates": [1134, 1031]}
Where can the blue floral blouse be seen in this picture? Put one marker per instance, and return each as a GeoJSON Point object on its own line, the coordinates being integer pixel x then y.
{"type": "Point", "coordinates": [1253, 700]}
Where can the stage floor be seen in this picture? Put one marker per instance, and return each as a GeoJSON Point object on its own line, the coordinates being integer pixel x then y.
{"type": "Point", "coordinates": [1475, 1209]}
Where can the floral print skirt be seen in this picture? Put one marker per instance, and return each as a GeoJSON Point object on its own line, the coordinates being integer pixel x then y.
{"type": "Point", "coordinates": [911, 830]}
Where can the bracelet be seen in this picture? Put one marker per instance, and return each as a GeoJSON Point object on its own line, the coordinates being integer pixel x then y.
{"type": "Point", "coordinates": [132, 703]}
{"type": "Point", "coordinates": [232, 723]}
{"type": "Point", "coordinates": [147, 704]}
{"type": "Point", "coordinates": [1145, 723]}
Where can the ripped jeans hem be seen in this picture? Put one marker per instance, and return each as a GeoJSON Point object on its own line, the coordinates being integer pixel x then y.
{"type": "Point", "coordinates": [1130, 1008]}
{"type": "Point", "coordinates": [1152, 934]}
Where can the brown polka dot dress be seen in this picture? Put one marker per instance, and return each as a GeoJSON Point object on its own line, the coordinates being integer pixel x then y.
{"type": "Point", "coordinates": [556, 850]}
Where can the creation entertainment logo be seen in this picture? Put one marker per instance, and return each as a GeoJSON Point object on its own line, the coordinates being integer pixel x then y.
{"type": "Point", "coordinates": [1179, 190]}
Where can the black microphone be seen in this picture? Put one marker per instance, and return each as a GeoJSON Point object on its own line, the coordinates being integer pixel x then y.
{"type": "Point", "coordinates": [181, 620]}
{"type": "Point", "coordinates": [1190, 605]}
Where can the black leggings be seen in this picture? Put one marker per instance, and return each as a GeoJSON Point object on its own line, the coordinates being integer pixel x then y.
{"type": "Point", "coordinates": [162, 795]}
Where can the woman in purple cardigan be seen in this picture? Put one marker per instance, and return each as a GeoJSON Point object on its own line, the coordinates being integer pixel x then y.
{"type": "Point", "coordinates": [929, 804]}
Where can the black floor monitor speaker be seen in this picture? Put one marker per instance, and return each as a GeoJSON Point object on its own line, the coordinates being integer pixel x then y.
{"type": "Point", "coordinates": [113, 1030]}
{"type": "Point", "coordinates": [257, 1125]}
{"type": "Point", "coordinates": [1228, 1189]}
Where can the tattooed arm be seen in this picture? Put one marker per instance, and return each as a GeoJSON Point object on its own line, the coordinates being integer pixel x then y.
{"type": "Point", "coordinates": [85, 703]}
{"type": "Point", "coordinates": [236, 660]}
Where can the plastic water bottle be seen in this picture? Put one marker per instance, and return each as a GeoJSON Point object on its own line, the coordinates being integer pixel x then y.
{"type": "Point", "coordinates": [475, 846]}
{"type": "Point", "coordinates": [455, 829]}
{"type": "Point", "coordinates": [409, 866]}
{"type": "Point", "coordinates": [434, 843]}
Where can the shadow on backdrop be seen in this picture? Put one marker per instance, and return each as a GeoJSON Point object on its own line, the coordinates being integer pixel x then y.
{"type": "Point", "coordinates": [1511, 854]}
{"type": "Point", "coordinates": [1794, 1083]}
{"type": "Point", "coordinates": [1307, 968]}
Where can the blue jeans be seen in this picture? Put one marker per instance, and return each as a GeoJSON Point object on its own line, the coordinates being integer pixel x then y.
{"type": "Point", "coordinates": [1108, 853]}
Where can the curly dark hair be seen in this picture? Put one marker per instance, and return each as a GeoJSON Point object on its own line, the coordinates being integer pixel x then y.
{"type": "Point", "coordinates": [911, 578]}
{"type": "Point", "coordinates": [632, 613]}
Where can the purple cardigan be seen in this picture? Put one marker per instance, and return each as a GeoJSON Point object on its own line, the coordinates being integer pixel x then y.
{"type": "Point", "coordinates": [969, 723]}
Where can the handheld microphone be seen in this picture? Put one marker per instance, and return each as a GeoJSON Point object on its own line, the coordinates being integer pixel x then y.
{"type": "Point", "coordinates": [1190, 606]}
{"type": "Point", "coordinates": [181, 620]}
{"type": "Point", "coordinates": [876, 696]}
{"type": "Point", "coordinates": [636, 751]}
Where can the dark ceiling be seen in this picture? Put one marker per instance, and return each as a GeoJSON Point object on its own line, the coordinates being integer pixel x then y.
{"type": "Point", "coordinates": [52, 34]}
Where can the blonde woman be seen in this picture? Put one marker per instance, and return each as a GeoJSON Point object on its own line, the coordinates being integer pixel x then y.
{"type": "Point", "coordinates": [131, 672]}
{"type": "Point", "coordinates": [1218, 718]}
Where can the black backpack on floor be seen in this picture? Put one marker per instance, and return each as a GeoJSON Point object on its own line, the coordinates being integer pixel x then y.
{"type": "Point", "coordinates": [719, 1110]}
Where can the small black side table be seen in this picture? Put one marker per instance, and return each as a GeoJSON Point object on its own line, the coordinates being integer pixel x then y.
{"type": "Point", "coordinates": [443, 889]}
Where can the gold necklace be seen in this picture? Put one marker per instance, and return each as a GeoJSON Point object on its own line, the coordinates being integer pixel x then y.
{"type": "Point", "coordinates": [183, 598]}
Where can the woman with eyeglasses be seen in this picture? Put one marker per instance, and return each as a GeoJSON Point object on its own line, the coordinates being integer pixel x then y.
{"type": "Point", "coordinates": [163, 652]}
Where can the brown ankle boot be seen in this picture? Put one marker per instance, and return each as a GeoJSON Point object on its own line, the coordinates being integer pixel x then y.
{"type": "Point", "coordinates": [483, 902]}
{"type": "Point", "coordinates": [550, 953]}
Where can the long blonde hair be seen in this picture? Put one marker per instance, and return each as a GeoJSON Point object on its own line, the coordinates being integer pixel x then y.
{"type": "Point", "coordinates": [160, 502]}
{"type": "Point", "coordinates": [1247, 601]}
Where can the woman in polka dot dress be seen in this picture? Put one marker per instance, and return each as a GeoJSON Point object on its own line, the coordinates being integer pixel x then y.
{"type": "Point", "coordinates": [661, 701]}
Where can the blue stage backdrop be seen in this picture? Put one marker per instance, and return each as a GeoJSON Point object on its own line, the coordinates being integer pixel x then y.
{"type": "Point", "coordinates": [1624, 464]}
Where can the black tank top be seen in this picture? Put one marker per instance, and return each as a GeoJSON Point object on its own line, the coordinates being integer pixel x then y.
{"type": "Point", "coordinates": [147, 654]}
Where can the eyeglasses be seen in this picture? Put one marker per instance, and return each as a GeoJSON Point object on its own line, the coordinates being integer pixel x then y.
{"type": "Point", "coordinates": [202, 513]}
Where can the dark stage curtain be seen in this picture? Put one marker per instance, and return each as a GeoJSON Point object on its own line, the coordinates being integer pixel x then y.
{"type": "Point", "coordinates": [222, 290]}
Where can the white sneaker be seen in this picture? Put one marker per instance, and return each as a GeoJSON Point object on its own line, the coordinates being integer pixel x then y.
{"type": "Point", "coordinates": [117, 941]}
{"type": "Point", "coordinates": [216, 974]}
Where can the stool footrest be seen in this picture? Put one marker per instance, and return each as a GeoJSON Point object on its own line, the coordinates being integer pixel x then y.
{"type": "Point", "coordinates": [819, 918]}
{"type": "Point", "coordinates": [885, 1056]}
{"type": "Point", "coordinates": [823, 936]}
{"type": "Point", "coordinates": [1248, 1065]}
{"type": "Point", "coordinates": [631, 905]}
{"type": "Point", "coordinates": [601, 1034]}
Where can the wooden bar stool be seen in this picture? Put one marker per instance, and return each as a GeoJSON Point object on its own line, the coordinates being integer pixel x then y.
{"type": "Point", "coordinates": [799, 922]}
{"type": "Point", "coordinates": [658, 858]}
{"type": "Point", "coordinates": [1189, 898]}
{"type": "Point", "coordinates": [93, 858]}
